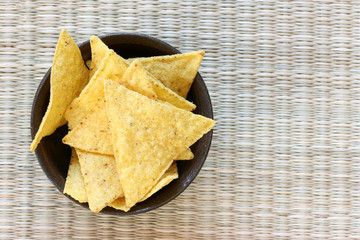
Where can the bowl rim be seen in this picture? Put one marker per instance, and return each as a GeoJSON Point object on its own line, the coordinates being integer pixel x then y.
{"type": "Point", "coordinates": [46, 168]}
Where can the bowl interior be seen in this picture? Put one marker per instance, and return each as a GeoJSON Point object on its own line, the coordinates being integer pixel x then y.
{"type": "Point", "coordinates": [54, 156]}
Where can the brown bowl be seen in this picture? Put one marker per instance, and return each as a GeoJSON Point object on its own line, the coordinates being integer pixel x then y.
{"type": "Point", "coordinates": [54, 156]}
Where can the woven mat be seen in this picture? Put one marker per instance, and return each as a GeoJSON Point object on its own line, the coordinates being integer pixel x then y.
{"type": "Point", "coordinates": [284, 78]}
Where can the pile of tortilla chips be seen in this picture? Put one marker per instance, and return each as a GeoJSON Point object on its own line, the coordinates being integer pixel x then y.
{"type": "Point", "coordinates": [129, 121]}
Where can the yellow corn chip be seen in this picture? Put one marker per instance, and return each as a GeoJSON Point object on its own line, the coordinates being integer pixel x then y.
{"type": "Point", "coordinates": [112, 67]}
{"type": "Point", "coordinates": [69, 76]}
{"type": "Point", "coordinates": [185, 155]}
{"type": "Point", "coordinates": [101, 179]}
{"type": "Point", "coordinates": [147, 135]}
{"type": "Point", "coordinates": [176, 72]}
{"type": "Point", "coordinates": [166, 94]}
{"type": "Point", "coordinates": [169, 175]}
{"type": "Point", "coordinates": [74, 185]}
{"type": "Point", "coordinates": [98, 52]}
{"type": "Point", "coordinates": [163, 93]}
{"type": "Point", "coordinates": [120, 204]}
{"type": "Point", "coordinates": [136, 79]}
{"type": "Point", "coordinates": [92, 134]}
{"type": "Point", "coordinates": [88, 64]}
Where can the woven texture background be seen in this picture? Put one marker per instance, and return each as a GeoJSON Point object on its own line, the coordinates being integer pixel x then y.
{"type": "Point", "coordinates": [284, 78]}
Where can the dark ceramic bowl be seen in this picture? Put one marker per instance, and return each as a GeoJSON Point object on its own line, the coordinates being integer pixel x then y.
{"type": "Point", "coordinates": [54, 156]}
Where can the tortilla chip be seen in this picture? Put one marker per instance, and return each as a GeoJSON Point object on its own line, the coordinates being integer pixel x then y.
{"type": "Point", "coordinates": [74, 185]}
{"type": "Point", "coordinates": [69, 76]}
{"type": "Point", "coordinates": [136, 79]}
{"type": "Point", "coordinates": [147, 135]}
{"type": "Point", "coordinates": [98, 52]}
{"type": "Point", "coordinates": [112, 67]}
{"type": "Point", "coordinates": [119, 204]}
{"type": "Point", "coordinates": [185, 155]}
{"type": "Point", "coordinates": [169, 175]}
{"type": "Point", "coordinates": [163, 93]}
{"type": "Point", "coordinates": [176, 72]}
{"type": "Point", "coordinates": [88, 64]}
{"type": "Point", "coordinates": [92, 134]}
{"type": "Point", "coordinates": [101, 179]}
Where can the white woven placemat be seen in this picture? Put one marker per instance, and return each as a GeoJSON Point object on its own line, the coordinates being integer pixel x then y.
{"type": "Point", "coordinates": [284, 78]}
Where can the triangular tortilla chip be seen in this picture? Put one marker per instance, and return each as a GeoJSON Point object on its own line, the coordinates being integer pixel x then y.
{"type": "Point", "coordinates": [170, 174]}
{"type": "Point", "coordinates": [74, 185]}
{"type": "Point", "coordinates": [176, 72]}
{"type": "Point", "coordinates": [112, 67]}
{"type": "Point", "coordinates": [120, 204]}
{"type": "Point", "coordinates": [98, 52]}
{"type": "Point", "coordinates": [88, 64]}
{"type": "Point", "coordinates": [69, 76]}
{"type": "Point", "coordinates": [136, 79]}
{"type": "Point", "coordinates": [147, 135]}
{"type": "Point", "coordinates": [92, 134]}
{"type": "Point", "coordinates": [101, 179]}
{"type": "Point", "coordinates": [167, 177]}
{"type": "Point", "coordinates": [185, 155]}
{"type": "Point", "coordinates": [163, 93]}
